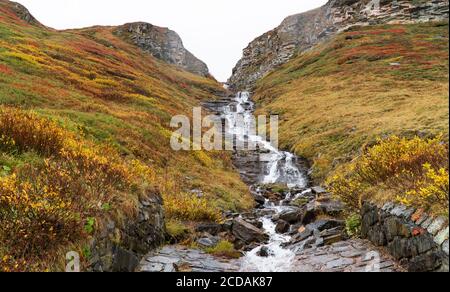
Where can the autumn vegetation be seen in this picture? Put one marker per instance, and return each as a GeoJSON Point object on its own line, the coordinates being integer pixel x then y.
{"type": "Point", "coordinates": [84, 133]}
{"type": "Point", "coordinates": [371, 113]}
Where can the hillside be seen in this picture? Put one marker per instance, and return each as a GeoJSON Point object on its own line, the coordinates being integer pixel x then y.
{"type": "Point", "coordinates": [301, 32]}
{"type": "Point", "coordinates": [366, 83]}
{"type": "Point", "coordinates": [84, 135]}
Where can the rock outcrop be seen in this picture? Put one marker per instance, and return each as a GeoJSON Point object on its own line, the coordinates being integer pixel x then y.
{"type": "Point", "coordinates": [120, 248]}
{"type": "Point", "coordinates": [22, 12]}
{"type": "Point", "coordinates": [301, 32]}
{"type": "Point", "coordinates": [164, 44]}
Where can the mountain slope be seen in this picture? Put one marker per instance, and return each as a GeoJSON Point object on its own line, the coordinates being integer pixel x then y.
{"type": "Point", "coordinates": [301, 32]}
{"type": "Point", "coordinates": [84, 129]}
{"type": "Point", "coordinates": [368, 82]}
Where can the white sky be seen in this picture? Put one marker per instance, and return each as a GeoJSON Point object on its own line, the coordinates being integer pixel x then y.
{"type": "Point", "coordinates": [216, 31]}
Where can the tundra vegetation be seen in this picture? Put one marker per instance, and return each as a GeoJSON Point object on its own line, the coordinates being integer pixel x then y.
{"type": "Point", "coordinates": [371, 113]}
{"type": "Point", "coordinates": [85, 132]}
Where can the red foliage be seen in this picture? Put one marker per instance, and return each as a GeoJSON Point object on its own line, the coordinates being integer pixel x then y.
{"type": "Point", "coordinates": [5, 69]}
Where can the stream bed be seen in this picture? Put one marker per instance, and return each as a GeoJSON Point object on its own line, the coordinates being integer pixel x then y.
{"type": "Point", "coordinates": [293, 229]}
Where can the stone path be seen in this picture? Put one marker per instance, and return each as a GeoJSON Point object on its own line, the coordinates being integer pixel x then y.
{"type": "Point", "coordinates": [181, 259]}
{"type": "Point", "coordinates": [346, 256]}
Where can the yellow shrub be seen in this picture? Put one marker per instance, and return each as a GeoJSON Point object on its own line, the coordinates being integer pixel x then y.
{"type": "Point", "coordinates": [185, 206]}
{"type": "Point", "coordinates": [26, 131]}
{"type": "Point", "coordinates": [412, 171]}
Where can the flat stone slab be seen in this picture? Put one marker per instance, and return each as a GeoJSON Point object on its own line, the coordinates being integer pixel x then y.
{"type": "Point", "coordinates": [346, 256]}
{"type": "Point", "coordinates": [181, 259]}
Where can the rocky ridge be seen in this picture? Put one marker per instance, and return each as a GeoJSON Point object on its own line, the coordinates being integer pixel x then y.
{"type": "Point", "coordinates": [23, 13]}
{"type": "Point", "coordinates": [164, 44]}
{"type": "Point", "coordinates": [301, 32]}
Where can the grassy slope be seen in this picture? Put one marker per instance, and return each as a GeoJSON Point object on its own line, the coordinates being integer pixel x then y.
{"type": "Point", "coordinates": [349, 91]}
{"type": "Point", "coordinates": [105, 90]}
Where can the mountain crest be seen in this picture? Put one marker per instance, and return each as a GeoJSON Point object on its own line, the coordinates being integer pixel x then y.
{"type": "Point", "coordinates": [20, 11]}
{"type": "Point", "coordinates": [162, 43]}
{"type": "Point", "coordinates": [300, 32]}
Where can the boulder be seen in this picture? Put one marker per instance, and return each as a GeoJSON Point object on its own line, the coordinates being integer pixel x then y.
{"type": "Point", "coordinates": [324, 224]}
{"type": "Point", "coordinates": [292, 215]}
{"type": "Point", "coordinates": [282, 227]}
{"type": "Point", "coordinates": [211, 228]}
{"type": "Point", "coordinates": [247, 232]}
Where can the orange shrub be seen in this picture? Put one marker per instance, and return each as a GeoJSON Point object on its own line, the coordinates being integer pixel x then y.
{"type": "Point", "coordinates": [29, 132]}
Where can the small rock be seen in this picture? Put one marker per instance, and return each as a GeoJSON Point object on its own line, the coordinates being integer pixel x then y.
{"type": "Point", "coordinates": [264, 252]}
{"type": "Point", "coordinates": [437, 225]}
{"type": "Point", "coordinates": [207, 242]}
{"type": "Point", "coordinates": [441, 236]}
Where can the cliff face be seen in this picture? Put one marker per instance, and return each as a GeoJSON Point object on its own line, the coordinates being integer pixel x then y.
{"type": "Point", "coordinates": [163, 44]}
{"type": "Point", "coordinates": [21, 12]}
{"type": "Point", "coordinates": [300, 32]}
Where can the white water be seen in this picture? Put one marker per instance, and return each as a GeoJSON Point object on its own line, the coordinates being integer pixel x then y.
{"type": "Point", "coordinates": [281, 168]}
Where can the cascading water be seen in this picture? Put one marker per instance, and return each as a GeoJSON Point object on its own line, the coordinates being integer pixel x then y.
{"type": "Point", "coordinates": [280, 167]}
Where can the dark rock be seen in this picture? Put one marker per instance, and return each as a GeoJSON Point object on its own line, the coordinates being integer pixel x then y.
{"type": "Point", "coordinates": [227, 225]}
{"type": "Point", "coordinates": [426, 262]}
{"type": "Point", "coordinates": [323, 224]}
{"type": "Point", "coordinates": [247, 233]}
{"type": "Point", "coordinates": [211, 228]}
{"type": "Point", "coordinates": [260, 200]}
{"type": "Point", "coordinates": [264, 252]}
{"type": "Point", "coordinates": [282, 227]}
{"type": "Point", "coordinates": [376, 235]}
{"type": "Point", "coordinates": [292, 215]}
{"type": "Point", "coordinates": [125, 261]}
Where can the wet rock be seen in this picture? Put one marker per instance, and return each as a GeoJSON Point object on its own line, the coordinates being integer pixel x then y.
{"type": "Point", "coordinates": [260, 200]}
{"type": "Point", "coordinates": [264, 252]}
{"type": "Point", "coordinates": [247, 233]}
{"type": "Point", "coordinates": [282, 227]}
{"type": "Point", "coordinates": [323, 224]}
{"type": "Point", "coordinates": [211, 228]}
{"type": "Point", "coordinates": [292, 215]}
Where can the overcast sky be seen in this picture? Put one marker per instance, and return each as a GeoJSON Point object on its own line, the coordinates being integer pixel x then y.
{"type": "Point", "coordinates": [216, 31]}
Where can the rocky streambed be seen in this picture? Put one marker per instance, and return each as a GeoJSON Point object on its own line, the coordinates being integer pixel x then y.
{"type": "Point", "coordinates": [294, 227]}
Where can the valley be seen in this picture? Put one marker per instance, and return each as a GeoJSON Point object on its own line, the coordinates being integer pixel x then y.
{"type": "Point", "coordinates": [357, 183]}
